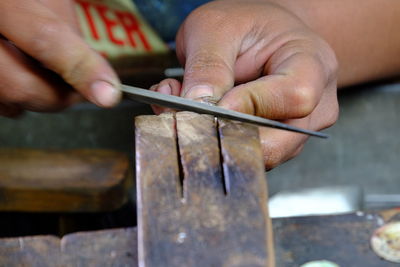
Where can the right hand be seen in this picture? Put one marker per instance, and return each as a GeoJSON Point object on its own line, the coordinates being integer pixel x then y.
{"type": "Point", "coordinates": [45, 64]}
{"type": "Point", "coordinates": [259, 58]}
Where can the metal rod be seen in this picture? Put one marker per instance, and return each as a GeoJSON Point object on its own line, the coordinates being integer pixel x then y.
{"type": "Point", "coordinates": [170, 101]}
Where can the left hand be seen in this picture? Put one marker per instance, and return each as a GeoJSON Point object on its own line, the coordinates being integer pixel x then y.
{"type": "Point", "coordinates": [46, 65]}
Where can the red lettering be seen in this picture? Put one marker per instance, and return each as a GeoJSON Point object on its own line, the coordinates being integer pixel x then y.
{"type": "Point", "coordinates": [85, 6]}
{"type": "Point", "coordinates": [127, 20]}
{"type": "Point", "coordinates": [109, 23]}
{"type": "Point", "coordinates": [131, 27]}
{"type": "Point", "coordinates": [103, 54]}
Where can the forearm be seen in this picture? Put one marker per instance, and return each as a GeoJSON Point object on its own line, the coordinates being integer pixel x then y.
{"type": "Point", "coordinates": [364, 34]}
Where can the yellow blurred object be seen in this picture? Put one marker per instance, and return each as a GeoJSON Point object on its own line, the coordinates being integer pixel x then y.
{"type": "Point", "coordinates": [116, 29]}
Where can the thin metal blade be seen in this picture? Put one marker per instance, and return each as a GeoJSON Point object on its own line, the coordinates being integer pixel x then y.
{"type": "Point", "coordinates": [170, 101]}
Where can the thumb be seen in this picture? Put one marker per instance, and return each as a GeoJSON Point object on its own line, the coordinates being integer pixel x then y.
{"type": "Point", "coordinates": [209, 61]}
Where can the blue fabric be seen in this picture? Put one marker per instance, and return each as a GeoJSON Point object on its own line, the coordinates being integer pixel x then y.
{"type": "Point", "coordinates": [165, 16]}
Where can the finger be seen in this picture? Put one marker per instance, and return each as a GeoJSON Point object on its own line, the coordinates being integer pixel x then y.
{"type": "Point", "coordinates": [55, 44]}
{"type": "Point", "coordinates": [292, 90]}
{"type": "Point", "coordinates": [11, 111]}
{"type": "Point", "coordinates": [65, 9]}
{"type": "Point", "coordinates": [280, 146]}
{"type": "Point", "coordinates": [24, 83]}
{"type": "Point", "coordinates": [168, 87]}
{"type": "Point", "coordinates": [327, 111]}
{"type": "Point", "coordinates": [74, 98]}
{"type": "Point", "coordinates": [209, 58]}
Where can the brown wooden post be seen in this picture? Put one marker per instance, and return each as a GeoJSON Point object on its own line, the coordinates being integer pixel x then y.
{"type": "Point", "coordinates": [201, 193]}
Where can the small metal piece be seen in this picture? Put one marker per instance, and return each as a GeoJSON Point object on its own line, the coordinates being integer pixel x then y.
{"type": "Point", "coordinates": [181, 237]}
{"type": "Point", "coordinates": [385, 242]}
{"type": "Point", "coordinates": [208, 100]}
{"type": "Point", "coordinates": [170, 101]}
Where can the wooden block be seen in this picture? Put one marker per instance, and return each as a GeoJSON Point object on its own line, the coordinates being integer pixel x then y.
{"type": "Point", "coordinates": [117, 247]}
{"type": "Point", "coordinates": [246, 186]}
{"type": "Point", "coordinates": [157, 182]}
{"type": "Point", "coordinates": [36, 251]}
{"type": "Point", "coordinates": [63, 181]}
{"type": "Point", "coordinates": [187, 214]}
{"type": "Point", "coordinates": [90, 249]}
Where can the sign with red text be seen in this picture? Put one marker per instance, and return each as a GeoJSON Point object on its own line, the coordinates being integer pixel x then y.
{"type": "Point", "coordinates": [116, 29]}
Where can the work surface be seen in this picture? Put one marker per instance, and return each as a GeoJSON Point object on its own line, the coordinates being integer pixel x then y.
{"type": "Point", "coordinates": [343, 239]}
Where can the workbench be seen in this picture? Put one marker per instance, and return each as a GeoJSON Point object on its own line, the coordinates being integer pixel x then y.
{"type": "Point", "coordinates": [343, 239]}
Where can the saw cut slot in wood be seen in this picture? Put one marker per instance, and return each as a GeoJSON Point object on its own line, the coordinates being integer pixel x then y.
{"type": "Point", "coordinates": [202, 194]}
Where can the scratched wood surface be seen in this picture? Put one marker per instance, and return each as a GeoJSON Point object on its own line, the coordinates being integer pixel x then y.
{"type": "Point", "coordinates": [115, 248]}
{"type": "Point", "coordinates": [63, 181]}
{"type": "Point", "coordinates": [343, 239]}
{"type": "Point", "coordinates": [196, 206]}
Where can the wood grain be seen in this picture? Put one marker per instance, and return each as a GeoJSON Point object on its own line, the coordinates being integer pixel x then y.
{"type": "Point", "coordinates": [90, 249]}
{"type": "Point", "coordinates": [63, 180]}
{"type": "Point", "coordinates": [343, 239]}
{"type": "Point", "coordinates": [246, 185]}
{"type": "Point", "coordinates": [157, 181]}
{"type": "Point", "coordinates": [186, 217]}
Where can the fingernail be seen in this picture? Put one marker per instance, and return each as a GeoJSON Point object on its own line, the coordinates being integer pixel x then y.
{"type": "Point", "coordinates": [199, 91]}
{"type": "Point", "coordinates": [153, 87]}
{"type": "Point", "coordinates": [165, 89]}
{"type": "Point", "coordinates": [105, 94]}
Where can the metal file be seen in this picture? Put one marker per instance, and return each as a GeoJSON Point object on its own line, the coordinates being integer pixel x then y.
{"type": "Point", "coordinates": [179, 103]}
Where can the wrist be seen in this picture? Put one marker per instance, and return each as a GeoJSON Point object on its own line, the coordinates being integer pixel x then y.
{"type": "Point", "coordinates": [299, 9]}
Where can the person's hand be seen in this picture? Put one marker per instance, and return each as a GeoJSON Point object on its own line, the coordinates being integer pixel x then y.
{"type": "Point", "coordinates": [282, 70]}
{"type": "Point", "coordinates": [45, 64]}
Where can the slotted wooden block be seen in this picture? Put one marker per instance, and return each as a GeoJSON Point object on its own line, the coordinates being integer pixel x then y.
{"type": "Point", "coordinates": [202, 195]}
